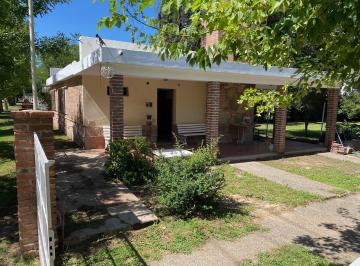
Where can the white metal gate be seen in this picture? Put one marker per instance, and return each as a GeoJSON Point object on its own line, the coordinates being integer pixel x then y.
{"type": "Point", "coordinates": [45, 230]}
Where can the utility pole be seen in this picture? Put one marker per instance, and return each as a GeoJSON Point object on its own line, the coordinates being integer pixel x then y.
{"type": "Point", "coordinates": [32, 55]}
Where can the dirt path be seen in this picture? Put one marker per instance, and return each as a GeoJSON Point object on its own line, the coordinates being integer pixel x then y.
{"type": "Point", "coordinates": [97, 205]}
{"type": "Point", "coordinates": [285, 178]}
{"type": "Point", "coordinates": [331, 228]}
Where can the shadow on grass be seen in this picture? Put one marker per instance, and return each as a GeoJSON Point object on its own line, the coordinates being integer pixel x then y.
{"type": "Point", "coordinates": [8, 209]}
{"type": "Point", "coordinates": [62, 142]}
{"type": "Point", "coordinates": [6, 151]}
{"type": "Point", "coordinates": [98, 250]}
{"type": "Point", "coordinates": [328, 246]}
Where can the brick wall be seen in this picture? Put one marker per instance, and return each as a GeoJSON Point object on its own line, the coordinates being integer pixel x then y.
{"type": "Point", "coordinates": [331, 116]}
{"type": "Point", "coordinates": [93, 138]}
{"type": "Point", "coordinates": [25, 124]}
{"type": "Point", "coordinates": [210, 39]}
{"type": "Point", "coordinates": [280, 130]}
{"type": "Point", "coordinates": [67, 102]}
{"type": "Point", "coordinates": [212, 111]}
{"type": "Point", "coordinates": [73, 113]}
{"type": "Point", "coordinates": [116, 107]}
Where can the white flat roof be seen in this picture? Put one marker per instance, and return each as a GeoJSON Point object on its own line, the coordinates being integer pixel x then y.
{"type": "Point", "coordinates": [147, 64]}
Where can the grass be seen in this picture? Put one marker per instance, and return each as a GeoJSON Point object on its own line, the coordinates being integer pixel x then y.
{"type": "Point", "coordinates": [248, 185]}
{"type": "Point", "coordinates": [15, 259]}
{"type": "Point", "coordinates": [7, 163]}
{"type": "Point", "coordinates": [169, 236]}
{"type": "Point", "coordinates": [84, 217]}
{"type": "Point", "coordinates": [340, 174]}
{"type": "Point", "coordinates": [296, 131]}
{"type": "Point", "coordinates": [290, 255]}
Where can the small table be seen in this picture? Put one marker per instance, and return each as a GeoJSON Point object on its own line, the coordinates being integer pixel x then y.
{"type": "Point", "coordinates": [168, 153]}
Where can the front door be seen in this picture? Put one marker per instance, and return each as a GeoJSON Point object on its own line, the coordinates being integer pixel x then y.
{"type": "Point", "coordinates": [165, 99]}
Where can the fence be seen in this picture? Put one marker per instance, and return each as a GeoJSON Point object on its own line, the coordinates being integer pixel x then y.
{"type": "Point", "coordinates": [45, 230]}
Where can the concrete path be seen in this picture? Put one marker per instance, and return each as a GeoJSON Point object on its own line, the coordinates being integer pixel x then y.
{"type": "Point", "coordinates": [82, 187]}
{"type": "Point", "coordinates": [348, 158]}
{"type": "Point", "coordinates": [331, 228]}
{"type": "Point", "coordinates": [282, 177]}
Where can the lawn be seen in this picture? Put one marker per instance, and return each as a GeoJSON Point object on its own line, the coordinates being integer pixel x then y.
{"type": "Point", "coordinates": [248, 185]}
{"type": "Point", "coordinates": [290, 255]}
{"type": "Point", "coordinates": [340, 174]}
{"type": "Point", "coordinates": [7, 164]}
{"type": "Point", "coordinates": [174, 235]}
{"type": "Point", "coordinates": [169, 236]}
{"type": "Point", "coordinates": [296, 131]}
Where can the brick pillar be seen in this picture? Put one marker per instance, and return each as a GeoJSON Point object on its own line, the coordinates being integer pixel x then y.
{"type": "Point", "coordinates": [331, 116]}
{"type": "Point", "coordinates": [212, 111]}
{"type": "Point", "coordinates": [25, 124]}
{"type": "Point", "coordinates": [279, 131]}
{"type": "Point", "coordinates": [116, 107]}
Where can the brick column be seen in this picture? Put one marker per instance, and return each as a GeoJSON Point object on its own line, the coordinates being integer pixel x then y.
{"type": "Point", "coordinates": [212, 111]}
{"type": "Point", "coordinates": [116, 107]}
{"type": "Point", "coordinates": [331, 116]}
{"type": "Point", "coordinates": [25, 124]}
{"type": "Point", "coordinates": [280, 130]}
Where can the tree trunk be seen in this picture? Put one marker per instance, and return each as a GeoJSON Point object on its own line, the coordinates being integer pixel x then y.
{"type": "Point", "coordinates": [6, 103]}
{"type": "Point", "coordinates": [1, 106]}
{"type": "Point", "coordinates": [306, 128]}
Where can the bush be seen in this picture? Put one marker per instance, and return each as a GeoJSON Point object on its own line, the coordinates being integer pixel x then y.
{"type": "Point", "coordinates": [349, 130]}
{"type": "Point", "coordinates": [188, 185]}
{"type": "Point", "coordinates": [130, 161]}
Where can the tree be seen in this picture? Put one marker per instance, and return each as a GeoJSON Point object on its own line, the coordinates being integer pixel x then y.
{"type": "Point", "coordinates": [310, 106]}
{"type": "Point", "coordinates": [319, 37]}
{"type": "Point", "coordinates": [350, 105]}
{"type": "Point", "coordinates": [56, 51]}
{"type": "Point", "coordinates": [14, 44]}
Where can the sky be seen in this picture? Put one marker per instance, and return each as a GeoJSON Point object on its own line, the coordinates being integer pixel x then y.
{"type": "Point", "coordinates": [78, 16]}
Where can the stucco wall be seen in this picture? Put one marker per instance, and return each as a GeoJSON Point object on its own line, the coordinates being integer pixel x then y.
{"type": "Point", "coordinates": [189, 105]}
{"type": "Point", "coordinates": [96, 101]}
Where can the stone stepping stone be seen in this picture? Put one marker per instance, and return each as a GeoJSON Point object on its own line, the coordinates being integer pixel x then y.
{"type": "Point", "coordinates": [135, 214]}
{"type": "Point", "coordinates": [285, 178]}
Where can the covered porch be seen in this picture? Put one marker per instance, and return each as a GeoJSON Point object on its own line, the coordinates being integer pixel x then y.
{"type": "Point", "coordinates": [214, 104]}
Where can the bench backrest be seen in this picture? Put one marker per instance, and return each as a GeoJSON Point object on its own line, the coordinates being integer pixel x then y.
{"type": "Point", "coordinates": [191, 129]}
{"type": "Point", "coordinates": [129, 132]}
{"type": "Point", "coordinates": [133, 131]}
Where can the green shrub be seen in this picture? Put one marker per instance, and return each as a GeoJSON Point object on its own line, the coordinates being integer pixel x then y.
{"type": "Point", "coordinates": [189, 185]}
{"type": "Point", "coordinates": [349, 130]}
{"type": "Point", "coordinates": [130, 161]}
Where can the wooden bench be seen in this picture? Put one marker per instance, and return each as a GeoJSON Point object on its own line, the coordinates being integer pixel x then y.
{"type": "Point", "coordinates": [191, 130]}
{"type": "Point", "coordinates": [129, 132]}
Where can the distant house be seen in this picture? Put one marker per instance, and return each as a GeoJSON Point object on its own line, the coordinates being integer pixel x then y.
{"type": "Point", "coordinates": [156, 98]}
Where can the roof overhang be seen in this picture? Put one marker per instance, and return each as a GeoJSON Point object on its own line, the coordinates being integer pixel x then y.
{"type": "Point", "coordinates": [149, 65]}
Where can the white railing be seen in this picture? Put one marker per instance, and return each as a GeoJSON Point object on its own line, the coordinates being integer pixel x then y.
{"type": "Point", "coordinates": [45, 230]}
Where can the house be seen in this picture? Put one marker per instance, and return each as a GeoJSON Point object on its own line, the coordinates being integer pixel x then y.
{"type": "Point", "coordinates": [139, 89]}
